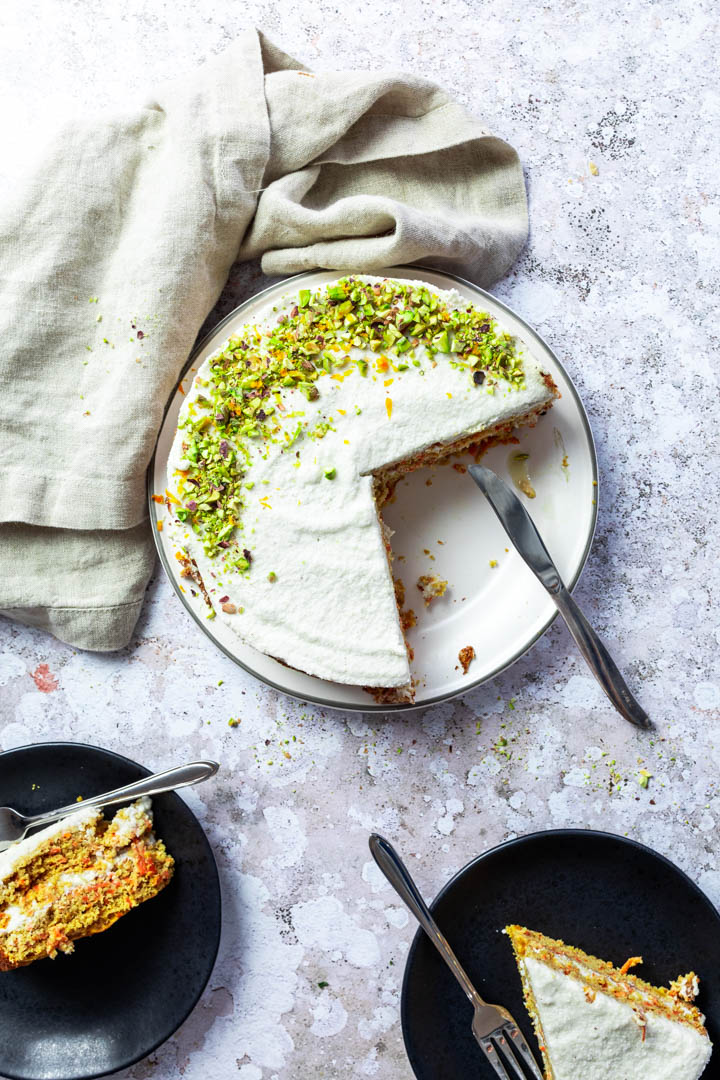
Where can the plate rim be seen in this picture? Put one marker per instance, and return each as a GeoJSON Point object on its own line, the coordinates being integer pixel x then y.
{"type": "Point", "coordinates": [215, 879]}
{"type": "Point", "coordinates": [517, 841]}
{"type": "Point", "coordinates": [361, 707]}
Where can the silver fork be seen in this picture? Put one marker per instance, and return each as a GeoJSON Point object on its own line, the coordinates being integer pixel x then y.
{"type": "Point", "coordinates": [14, 825]}
{"type": "Point", "coordinates": [496, 1032]}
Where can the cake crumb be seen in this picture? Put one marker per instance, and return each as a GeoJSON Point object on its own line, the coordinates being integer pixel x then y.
{"type": "Point", "coordinates": [431, 588]}
{"type": "Point", "coordinates": [466, 657]}
{"type": "Point", "coordinates": [685, 987]}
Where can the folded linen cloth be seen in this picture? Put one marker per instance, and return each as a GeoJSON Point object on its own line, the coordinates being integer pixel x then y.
{"type": "Point", "coordinates": [118, 246]}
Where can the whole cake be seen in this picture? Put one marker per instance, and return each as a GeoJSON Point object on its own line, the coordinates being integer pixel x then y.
{"type": "Point", "coordinates": [294, 434]}
{"type": "Point", "coordinates": [597, 1022]}
{"type": "Point", "coordinates": [76, 878]}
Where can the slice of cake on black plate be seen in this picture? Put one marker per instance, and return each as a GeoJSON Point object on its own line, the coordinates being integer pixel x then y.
{"type": "Point", "coordinates": [598, 1022]}
{"type": "Point", "coordinates": [76, 878]}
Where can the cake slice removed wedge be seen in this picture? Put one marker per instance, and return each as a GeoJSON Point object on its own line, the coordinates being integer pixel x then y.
{"type": "Point", "coordinates": [598, 1022]}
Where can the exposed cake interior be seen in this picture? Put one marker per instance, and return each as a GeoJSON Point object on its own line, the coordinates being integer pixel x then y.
{"type": "Point", "coordinates": [598, 1022]}
{"type": "Point", "coordinates": [76, 878]}
{"type": "Point", "coordinates": [385, 481]}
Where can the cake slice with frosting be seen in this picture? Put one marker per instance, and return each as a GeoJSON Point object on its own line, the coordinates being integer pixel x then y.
{"type": "Point", "coordinates": [76, 878]}
{"type": "Point", "coordinates": [598, 1022]}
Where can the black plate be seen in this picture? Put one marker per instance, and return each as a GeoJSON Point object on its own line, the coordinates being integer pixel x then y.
{"type": "Point", "coordinates": [122, 992]}
{"type": "Point", "coordinates": [612, 897]}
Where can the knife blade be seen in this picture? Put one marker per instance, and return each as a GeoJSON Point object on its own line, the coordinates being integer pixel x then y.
{"type": "Point", "coordinates": [528, 543]}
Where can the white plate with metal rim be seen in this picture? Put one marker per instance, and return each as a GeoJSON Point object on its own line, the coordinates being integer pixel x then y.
{"type": "Point", "coordinates": [442, 525]}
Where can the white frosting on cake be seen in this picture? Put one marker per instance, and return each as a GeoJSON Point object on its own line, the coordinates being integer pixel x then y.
{"type": "Point", "coordinates": [19, 918]}
{"type": "Point", "coordinates": [331, 610]}
{"type": "Point", "coordinates": [601, 1039]}
{"type": "Point", "coordinates": [130, 822]}
{"type": "Point", "coordinates": [83, 821]}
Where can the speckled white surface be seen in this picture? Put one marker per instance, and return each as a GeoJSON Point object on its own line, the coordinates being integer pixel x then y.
{"type": "Point", "coordinates": [621, 277]}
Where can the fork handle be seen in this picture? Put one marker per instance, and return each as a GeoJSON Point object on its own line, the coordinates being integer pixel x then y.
{"type": "Point", "coordinates": [170, 780]}
{"type": "Point", "coordinates": [399, 877]}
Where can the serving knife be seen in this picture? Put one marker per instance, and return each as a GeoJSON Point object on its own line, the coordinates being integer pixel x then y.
{"type": "Point", "coordinates": [522, 532]}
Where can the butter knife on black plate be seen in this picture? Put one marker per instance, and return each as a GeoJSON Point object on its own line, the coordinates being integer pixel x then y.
{"type": "Point", "coordinates": [522, 532]}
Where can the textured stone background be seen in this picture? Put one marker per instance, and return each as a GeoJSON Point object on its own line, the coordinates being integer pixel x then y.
{"type": "Point", "coordinates": [621, 277]}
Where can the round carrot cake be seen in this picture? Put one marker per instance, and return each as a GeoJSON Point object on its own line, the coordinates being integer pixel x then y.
{"type": "Point", "coordinates": [293, 435]}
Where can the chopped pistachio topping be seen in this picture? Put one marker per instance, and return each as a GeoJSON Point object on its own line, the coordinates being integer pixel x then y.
{"type": "Point", "coordinates": [241, 404]}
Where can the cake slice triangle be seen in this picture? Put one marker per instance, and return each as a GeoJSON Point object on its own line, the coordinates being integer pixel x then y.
{"type": "Point", "coordinates": [598, 1022]}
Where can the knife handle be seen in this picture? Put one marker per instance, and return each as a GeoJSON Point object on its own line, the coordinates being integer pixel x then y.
{"type": "Point", "coordinates": [599, 660]}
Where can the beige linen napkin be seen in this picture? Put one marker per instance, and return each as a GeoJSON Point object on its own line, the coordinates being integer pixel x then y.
{"type": "Point", "coordinates": [118, 247]}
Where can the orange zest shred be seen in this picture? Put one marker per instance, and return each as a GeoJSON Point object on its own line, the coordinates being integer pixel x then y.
{"type": "Point", "coordinates": [159, 526]}
{"type": "Point", "coordinates": [158, 498]}
{"type": "Point", "coordinates": [180, 388]}
{"type": "Point", "coordinates": [388, 406]}
{"type": "Point", "coordinates": [171, 497]}
{"type": "Point", "coordinates": [631, 963]}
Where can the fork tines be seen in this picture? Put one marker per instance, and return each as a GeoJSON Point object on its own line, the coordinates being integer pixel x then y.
{"type": "Point", "coordinates": [497, 1046]}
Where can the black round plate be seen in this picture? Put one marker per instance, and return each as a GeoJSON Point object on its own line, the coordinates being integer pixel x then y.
{"type": "Point", "coordinates": [607, 895]}
{"type": "Point", "coordinates": [122, 992]}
